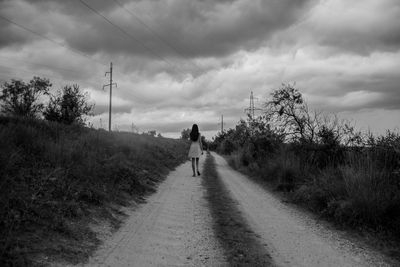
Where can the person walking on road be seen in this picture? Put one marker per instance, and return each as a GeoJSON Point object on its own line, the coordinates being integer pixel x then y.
{"type": "Point", "coordinates": [196, 148]}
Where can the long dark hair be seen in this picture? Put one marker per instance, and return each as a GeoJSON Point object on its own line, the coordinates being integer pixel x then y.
{"type": "Point", "coordinates": [194, 134]}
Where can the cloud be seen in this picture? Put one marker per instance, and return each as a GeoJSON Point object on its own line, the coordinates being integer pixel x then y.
{"type": "Point", "coordinates": [194, 28]}
{"type": "Point", "coordinates": [339, 26]}
{"type": "Point", "coordinates": [201, 59]}
{"type": "Point", "coordinates": [119, 105]}
{"type": "Point", "coordinates": [336, 82]}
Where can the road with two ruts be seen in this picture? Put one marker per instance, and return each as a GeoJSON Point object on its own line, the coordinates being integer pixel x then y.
{"type": "Point", "coordinates": [179, 226]}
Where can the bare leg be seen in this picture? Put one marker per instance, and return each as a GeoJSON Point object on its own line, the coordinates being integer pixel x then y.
{"type": "Point", "coordinates": [194, 171]}
{"type": "Point", "coordinates": [197, 165]}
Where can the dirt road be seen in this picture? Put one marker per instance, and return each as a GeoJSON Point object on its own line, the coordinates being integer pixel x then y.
{"type": "Point", "coordinates": [293, 238]}
{"type": "Point", "coordinates": [175, 228]}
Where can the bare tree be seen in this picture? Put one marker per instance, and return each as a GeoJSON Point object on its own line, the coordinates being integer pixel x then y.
{"type": "Point", "coordinates": [289, 113]}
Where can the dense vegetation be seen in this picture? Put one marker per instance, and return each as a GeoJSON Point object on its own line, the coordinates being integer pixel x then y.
{"type": "Point", "coordinates": [70, 105]}
{"type": "Point", "coordinates": [56, 180]}
{"type": "Point", "coordinates": [348, 176]}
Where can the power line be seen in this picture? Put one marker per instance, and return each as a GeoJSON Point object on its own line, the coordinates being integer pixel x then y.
{"type": "Point", "coordinates": [158, 36]}
{"type": "Point", "coordinates": [60, 82]}
{"type": "Point", "coordinates": [131, 36]}
{"type": "Point", "coordinates": [30, 72]}
{"type": "Point", "coordinates": [76, 51]}
{"type": "Point", "coordinates": [58, 79]}
{"type": "Point", "coordinates": [42, 65]}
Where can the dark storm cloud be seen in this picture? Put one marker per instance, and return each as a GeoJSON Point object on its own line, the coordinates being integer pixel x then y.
{"type": "Point", "coordinates": [342, 54]}
{"type": "Point", "coordinates": [10, 37]}
{"type": "Point", "coordinates": [354, 41]}
{"type": "Point", "coordinates": [358, 27]}
{"type": "Point", "coordinates": [376, 91]}
{"type": "Point", "coordinates": [194, 28]}
{"type": "Point", "coordinates": [386, 87]}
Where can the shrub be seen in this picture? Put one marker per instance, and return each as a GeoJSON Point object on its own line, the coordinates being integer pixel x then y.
{"type": "Point", "coordinates": [316, 198]}
{"type": "Point", "coordinates": [69, 106]}
{"type": "Point", "coordinates": [322, 191]}
{"type": "Point", "coordinates": [234, 160]}
{"type": "Point", "coordinates": [185, 134]}
{"type": "Point", "coordinates": [22, 99]}
{"type": "Point", "coordinates": [227, 147]}
{"type": "Point", "coordinates": [373, 192]}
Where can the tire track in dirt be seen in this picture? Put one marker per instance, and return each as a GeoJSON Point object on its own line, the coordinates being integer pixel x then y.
{"type": "Point", "coordinates": [293, 238]}
{"type": "Point", "coordinates": [240, 243]}
{"type": "Point", "coordinates": [174, 228]}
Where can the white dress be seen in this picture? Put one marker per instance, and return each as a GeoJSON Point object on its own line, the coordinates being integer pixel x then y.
{"type": "Point", "coordinates": [195, 150]}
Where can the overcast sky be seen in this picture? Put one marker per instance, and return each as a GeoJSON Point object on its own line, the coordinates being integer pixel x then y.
{"type": "Point", "coordinates": [179, 62]}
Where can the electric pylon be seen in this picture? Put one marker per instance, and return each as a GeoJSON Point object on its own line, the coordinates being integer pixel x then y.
{"type": "Point", "coordinates": [251, 109]}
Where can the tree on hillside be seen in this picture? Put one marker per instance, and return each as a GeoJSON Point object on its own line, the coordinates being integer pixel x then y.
{"type": "Point", "coordinates": [22, 99]}
{"type": "Point", "coordinates": [69, 106]}
{"type": "Point", "coordinates": [185, 134]}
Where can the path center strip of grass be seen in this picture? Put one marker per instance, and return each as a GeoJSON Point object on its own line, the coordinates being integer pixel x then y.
{"type": "Point", "coordinates": [240, 243]}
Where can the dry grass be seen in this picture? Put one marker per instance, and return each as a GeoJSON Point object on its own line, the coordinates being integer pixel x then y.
{"type": "Point", "coordinates": [363, 192]}
{"type": "Point", "coordinates": [56, 179]}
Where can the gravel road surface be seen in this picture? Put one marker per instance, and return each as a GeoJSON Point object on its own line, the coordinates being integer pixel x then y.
{"type": "Point", "coordinates": [293, 238]}
{"type": "Point", "coordinates": [174, 228]}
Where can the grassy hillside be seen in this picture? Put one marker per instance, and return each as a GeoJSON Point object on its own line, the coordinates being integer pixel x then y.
{"type": "Point", "coordinates": [57, 180]}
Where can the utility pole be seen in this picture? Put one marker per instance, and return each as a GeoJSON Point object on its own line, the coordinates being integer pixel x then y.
{"type": "Point", "coordinates": [251, 109]}
{"type": "Point", "coordinates": [111, 85]}
{"type": "Point", "coordinates": [222, 123]}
